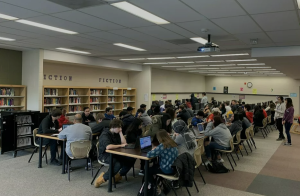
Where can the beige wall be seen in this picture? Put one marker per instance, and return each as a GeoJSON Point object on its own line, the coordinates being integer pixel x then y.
{"type": "Point", "coordinates": [83, 76]}
{"type": "Point", "coordinates": [10, 67]}
{"type": "Point", "coordinates": [280, 86]}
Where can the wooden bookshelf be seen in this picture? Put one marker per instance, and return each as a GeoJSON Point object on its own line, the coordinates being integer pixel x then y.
{"type": "Point", "coordinates": [13, 97]}
{"type": "Point", "coordinates": [74, 99]}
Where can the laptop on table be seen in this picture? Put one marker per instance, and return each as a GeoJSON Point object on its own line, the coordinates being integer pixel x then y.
{"type": "Point", "coordinates": [63, 127]}
{"type": "Point", "coordinates": [145, 143]}
{"type": "Point", "coordinates": [199, 131]}
{"type": "Point", "coordinates": [134, 145]}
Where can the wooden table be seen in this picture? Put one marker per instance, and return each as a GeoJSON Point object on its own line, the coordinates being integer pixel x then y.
{"type": "Point", "coordinates": [134, 153]}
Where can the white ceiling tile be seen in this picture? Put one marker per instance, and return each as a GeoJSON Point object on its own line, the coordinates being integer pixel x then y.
{"type": "Point", "coordinates": [285, 36]}
{"type": "Point", "coordinates": [16, 11]}
{"type": "Point", "coordinates": [163, 44]}
{"type": "Point", "coordinates": [77, 38]}
{"type": "Point", "coordinates": [277, 21]}
{"type": "Point", "coordinates": [196, 27]}
{"type": "Point", "coordinates": [264, 6]}
{"type": "Point", "coordinates": [87, 20]}
{"type": "Point", "coordinates": [132, 34]}
{"type": "Point", "coordinates": [233, 24]}
{"type": "Point", "coordinates": [112, 38]}
{"type": "Point", "coordinates": [17, 37]}
{"type": "Point", "coordinates": [173, 7]}
{"type": "Point", "coordinates": [294, 43]}
{"type": "Point", "coordinates": [21, 33]}
{"type": "Point", "coordinates": [179, 30]}
{"type": "Point", "coordinates": [43, 6]}
{"type": "Point", "coordinates": [216, 8]}
{"type": "Point", "coordinates": [262, 37]}
{"type": "Point", "coordinates": [119, 16]}
{"type": "Point", "coordinates": [159, 32]}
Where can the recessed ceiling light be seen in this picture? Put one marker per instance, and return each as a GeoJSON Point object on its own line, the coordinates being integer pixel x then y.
{"type": "Point", "coordinates": [218, 55]}
{"type": "Point", "coordinates": [171, 66]}
{"type": "Point", "coordinates": [241, 60]}
{"type": "Point", "coordinates": [129, 47]}
{"type": "Point", "coordinates": [6, 39]}
{"type": "Point", "coordinates": [135, 59]}
{"type": "Point", "coordinates": [222, 65]}
{"type": "Point", "coordinates": [186, 68]}
{"type": "Point", "coordinates": [155, 63]}
{"type": "Point", "coordinates": [7, 17]}
{"type": "Point", "coordinates": [257, 67]}
{"type": "Point", "coordinates": [209, 61]}
{"type": "Point", "coordinates": [128, 7]}
{"type": "Point", "coordinates": [71, 50]}
{"type": "Point", "coordinates": [180, 62]}
{"type": "Point", "coordinates": [46, 26]}
{"type": "Point", "coordinates": [196, 66]}
{"type": "Point", "coordinates": [208, 68]}
{"type": "Point", "coordinates": [188, 57]}
{"type": "Point", "coordinates": [252, 64]}
{"type": "Point", "coordinates": [156, 58]}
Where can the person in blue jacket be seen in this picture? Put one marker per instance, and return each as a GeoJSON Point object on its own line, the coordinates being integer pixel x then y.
{"type": "Point", "coordinates": [109, 114]}
{"type": "Point", "coordinates": [198, 118]}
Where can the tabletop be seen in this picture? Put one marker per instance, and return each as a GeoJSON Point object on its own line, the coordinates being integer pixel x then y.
{"type": "Point", "coordinates": [134, 153]}
{"type": "Point", "coordinates": [48, 136]}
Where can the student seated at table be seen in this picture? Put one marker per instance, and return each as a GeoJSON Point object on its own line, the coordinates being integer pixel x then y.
{"type": "Point", "coordinates": [127, 119]}
{"type": "Point", "coordinates": [134, 131]}
{"type": "Point", "coordinates": [206, 110]}
{"type": "Point", "coordinates": [184, 138]}
{"type": "Point", "coordinates": [189, 110]}
{"type": "Point", "coordinates": [216, 112]}
{"type": "Point", "coordinates": [151, 110]}
{"type": "Point", "coordinates": [258, 117]}
{"type": "Point", "coordinates": [143, 107]}
{"type": "Point", "coordinates": [159, 122]}
{"type": "Point", "coordinates": [87, 116]}
{"type": "Point", "coordinates": [198, 118]}
{"type": "Point", "coordinates": [223, 109]}
{"type": "Point", "coordinates": [76, 132]}
{"type": "Point", "coordinates": [235, 125]}
{"type": "Point", "coordinates": [249, 114]}
{"type": "Point", "coordinates": [50, 125]}
{"type": "Point", "coordinates": [173, 115]}
{"type": "Point", "coordinates": [63, 118]}
{"type": "Point", "coordinates": [245, 124]}
{"type": "Point", "coordinates": [183, 114]}
{"type": "Point", "coordinates": [264, 112]}
{"type": "Point", "coordinates": [112, 138]}
{"type": "Point", "coordinates": [167, 153]}
{"type": "Point", "coordinates": [109, 113]}
{"type": "Point", "coordinates": [221, 135]}
{"type": "Point", "coordinates": [102, 123]}
{"type": "Point", "coordinates": [188, 103]}
{"type": "Point", "coordinates": [143, 115]}
{"type": "Point", "coordinates": [157, 111]}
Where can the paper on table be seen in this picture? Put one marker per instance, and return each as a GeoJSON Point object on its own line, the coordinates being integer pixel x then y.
{"type": "Point", "coordinates": [56, 134]}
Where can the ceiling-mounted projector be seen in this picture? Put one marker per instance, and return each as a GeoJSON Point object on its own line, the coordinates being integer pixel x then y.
{"type": "Point", "coordinates": [209, 47]}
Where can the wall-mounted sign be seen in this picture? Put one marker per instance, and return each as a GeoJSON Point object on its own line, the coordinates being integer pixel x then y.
{"type": "Point", "coordinates": [254, 91]}
{"type": "Point", "coordinates": [241, 89]}
{"type": "Point", "coordinates": [225, 90]}
{"type": "Point", "coordinates": [293, 94]}
{"type": "Point", "coordinates": [164, 96]}
{"type": "Point", "coordinates": [242, 97]}
{"type": "Point", "coordinates": [214, 88]}
{"type": "Point", "coordinates": [57, 77]}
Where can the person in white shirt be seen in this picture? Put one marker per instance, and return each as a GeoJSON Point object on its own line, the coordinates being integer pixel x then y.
{"type": "Point", "coordinates": [204, 99]}
{"type": "Point", "coordinates": [227, 107]}
{"type": "Point", "coordinates": [279, 112]}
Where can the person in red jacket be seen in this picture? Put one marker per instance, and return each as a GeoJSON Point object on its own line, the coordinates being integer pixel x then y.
{"type": "Point", "coordinates": [248, 113]}
{"type": "Point", "coordinates": [188, 103]}
{"type": "Point", "coordinates": [63, 119]}
{"type": "Point", "coordinates": [265, 113]}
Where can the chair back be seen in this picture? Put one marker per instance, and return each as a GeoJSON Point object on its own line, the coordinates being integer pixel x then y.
{"type": "Point", "coordinates": [251, 131]}
{"type": "Point", "coordinates": [197, 156]}
{"type": "Point", "coordinates": [247, 133]}
{"type": "Point", "coordinates": [238, 137]}
{"type": "Point", "coordinates": [189, 121]}
{"type": "Point", "coordinates": [269, 119]}
{"type": "Point", "coordinates": [231, 144]}
{"type": "Point", "coordinates": [265, 122]}
{"type": "Point", "coordinates": [34, 132]}
{"type": "Point", "coordinates": [81, 149]}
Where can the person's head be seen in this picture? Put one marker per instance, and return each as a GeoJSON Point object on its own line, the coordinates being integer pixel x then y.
{"type": "Point", "coordinates": [115, 126]}
{"type": "Point", "coordinates": [200, 115]}
{"type": "Point", "coordinates": [227, 103]}
{"type": "Point", "coordinates": [217, 121]}
{"type": "Point", "coordinates": [55, 114]}
{"type": "Point", "coordinates": [235, 117]}
{"type": "Point", "coordinates": [181, 107]}
{"type": "Point", "coordinates": [86, 111]}
{"type": "Point", "coordinates": [180, 127]}
{"type": "Point", "coordinates": [168, 106]}
{"type": "Point", "coordinates": [140, 111]}
{"type": "Point", "coordinates": [143, 106]}
{"type": "Point", "coordinates": [129, 110]}
{"type": "Point", "coordinates": [203, 94]}
{"type": "Point", "coordinates": [212, 99]}
{"type": "Point", "coordinates": [280, 99]}
{"type": "Point", "coordinates": [243, 113]}
{"type": "Point", "coordinates": [233, 102]}
{"type": "Point", "coordinates": [77, 119]}
{"type": "Point", "coordinates": [157, 109]}
{"type": "Point", "coordinates": [222, 106]}
{"type": "Point", "coordinates": [243, 103]}
{"type": "Point", "coordinates": [247, 108]}
{"type": "Point", "coordinates": [241, 117]}
{"type": "Point", "coordinates": [187, 100]}
{"type": "Point", "coordinates": [64, 112]}
{"type": "Point", "coordinates": [122, 114]}
{"type": "Point", "coordinates": [215, 113]}
{"type": "Point", "coordinates": [185, 106]}
{"type": "Point", "coordinates": [288, 102]}
{"type": "Point", "coordinates": [166, 122]}
{"type": "Point", "coordinates": [108, 111]}
{"type": "Point", "coordinates": [216, 110]}
{"type": "Point", "coordinates": [166, 102]}
{"type": "Point", "coordinates": [135, 125]}
{"type": "Point", "coordinates": [256, 109]}
{"type": "Point", "coordinates": [171, 112]}
{"type": "Point", "coordinates": [152, 107]}
{"type": "Point", "coordinates": [164, 139]}
{"type": "Point", "coordinates": [99, 117]}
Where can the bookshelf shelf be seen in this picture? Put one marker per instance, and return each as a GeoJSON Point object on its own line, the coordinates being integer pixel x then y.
{"type": "Point", "coordinates": [78, 95]}
{"type": "Point", "coordinates": [13, 97]}
{"type": "Point", "coordinates": [13, 106]}
{"type": "Point", "coordinates": [98, 95]}
{"type": "Point", "coordinates": [78, 103]}
{"type": "Point", "coordinates": [1, 96]}
{"type": "Point", "coordinates": [128, 101]}
{"type": "Point", "coordinates": [95, 103]}
{"type": "Point", "coordinates": [54, 96]}
{"type": "Point", "coordinates": [113, 102]}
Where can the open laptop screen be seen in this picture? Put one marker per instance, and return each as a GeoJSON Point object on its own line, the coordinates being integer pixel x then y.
{"type": "Point", "coordinates": [66, 125]}
{"type": "Point", "coordinates": [145, 142]}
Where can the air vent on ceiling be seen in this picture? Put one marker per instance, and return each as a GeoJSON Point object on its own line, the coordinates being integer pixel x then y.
{"type": "Point", "coordinates": [181, 41]}
{"type": "Point", "coordinates": [78, 4]}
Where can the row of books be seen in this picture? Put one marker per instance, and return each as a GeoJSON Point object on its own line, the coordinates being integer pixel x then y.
{"type": "Point", "coordinates": [126, 98]}
{"type": "Point", "coordinates": [111, 99]}
{"type": "Point", "coordinates": [6, 102]}
{"type": "Point", "coordinates": [95, 107]}
{"type": "Point", "coordinates": [52, 100]}
{"type": "Point", "coordinates": [111, 106]}
{"type": "Point", "coordinates": [50, 109]}
{"type": "Point", "coordinates": [51, 91]}
{"type": "Point", "coordinates": [94, 99]}
{"type": "Point", "coordinates": [7, 91]}
{"type": "Point", "coordinates": [23, 142]}
{"type": "Point", "coordinates": [24, 119]}
{"type": "Point", "coordinates": [75, 100]}
{"type": "Point", "coordinates": [125, 105]}
{"type": "Point", "coordinates": [111, 92]}
{"type": "Point", "coordinates": [73, 92]}
{"type": "Point", "coordinates": [24, 130]}
{"type": "Point", "coordinates": [7, 109]}
{"type": "Point", "coordinates": [96, 92]}
{"type": "Point", "coordinates": [73, 108]}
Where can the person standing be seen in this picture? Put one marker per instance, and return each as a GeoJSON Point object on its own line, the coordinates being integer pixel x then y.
{"type": "Point", "coordinates": [288, 119]}
{"type": "Point", "coordinates": [279, 112]}
{"type": "Point", "coordinates": [204, 99]}
{"type": "Point", "coordinates": [193, 101]}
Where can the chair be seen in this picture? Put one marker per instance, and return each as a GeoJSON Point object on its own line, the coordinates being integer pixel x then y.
{"type": "Point", "coordinates": [37, 146]}
{"type": "Point", "coordinates": [80, 150]}
{"type": "Point", "coordinates": [251, 133]}
{"type": "Point", "coordinates": [237, 143]}
{"type": "Point", "coordinates": [248, 137]}
{"type": "Point", "coordinates": [198, 159]}
{"type": "Point", "coordinates": [263, 128]}
{"type": "Point", "coordinates": [269, 122]}
{"type": "Point", "coordinates": [189, 121]}
{"type": "Point", "coordinates": [229, 152]}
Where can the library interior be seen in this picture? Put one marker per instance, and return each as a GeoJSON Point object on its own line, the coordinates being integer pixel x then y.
{"type": "Point", "coordinates": [132, 97]}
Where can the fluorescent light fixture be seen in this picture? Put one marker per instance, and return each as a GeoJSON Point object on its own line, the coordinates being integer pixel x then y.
{"type": "Point", "coordinates": [222, 65]}
{"type": "Point", "coordinates": [155, 63]}
{"type": "Point", "coordinates": [208, 68]}
{"type": "Point", "coordinates": [298, 2]}
{"type": "Point", "coordinates": [135, 59]}
{"type": "Point", "coordinates": [199, 40]}
{"type": "Point", "coordinates": [7, 17]}
{"type": "Point", "coordinates": [196, 66]}
{"type": "Point", "coordinates": [241, 60]}
{"type": "Point", "coordinates": [129, 47]}
{"type": "Point", "coordinates": [171, 66]}
{"type": "Point", "coordinates": [217, 75]}
{"type": "Point", "coordinates": [248, 72]}
{"type": "Point", "coordinates": [6, 39]}
{"type": "Point", "coordinates": [209, 61]}
{"type": "Point", "coordinates": [218, 55]}
{"type": "Point", "coordinates": [245, 70]}
{"type": "Point", "coordinates": [268, 71]}
{"type": "Point", "coordinates": [199, 71]}
{"type": "Point", "coordinates": [225, 72]}
{"type": "Point", "coordinates": [128, 7]}
{"type": "Point", "coordinates": [190, 57]}
{"type": "Point", "coordinates": [180, 62]}
{"type": "Point", "coordinates": [252, 64]}
{"type": "Point", "coordinates": [156, 58]}
{"type": "Point", "coordinates": [71, 50]}
{"type": "Point", "coordinates": [274, 73]}
{"type": "Point", "coordinates": [232, 68]}
{"type": "Point", "coordinates": [265, 69]}
{"type": "Point", "coordinates": [46, 26]}
{"type": "Point", "coordinates": [257, 67]}
{"type": "Point", "coordinates": [186, 68]}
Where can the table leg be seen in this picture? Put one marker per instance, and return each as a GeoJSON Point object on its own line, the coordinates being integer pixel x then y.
{"type": "Point", "coordinates": [146, 178]}
{"type": "Point", "coordinates": [64, 157]}
{"type": "Point", "coordinates": [40, 152]}
{"type": "Point", "coordinates": [110, 173]}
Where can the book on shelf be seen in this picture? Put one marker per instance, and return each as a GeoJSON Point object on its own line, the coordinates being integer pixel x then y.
{"type": "Point", "coordinates": [124, 92]}
{"type": "Point", "coordinates": [52, 101]}
{"type": "Point", "coordinates": [6, 102]}
{"type": "Point", "coordinates": [7, 109]}
{"type": "Point", "coordinates": [96, 92]}
{"type": "Point", "coordinates": [111, 99]}
{"type": "Point", "coordinates": [94, 99]}
{"type": "Point", "coordinates": [73, 91]}
{"type": "Point", "coordinates": [73, 108]}
{"type": "Point", "coordinates": [75, 100]}
{"type": "Point", "coordinates": [111, 106]}
{"type": "Point", "coordinates": [111, 92]}
{"type": "Point", "coordinates": [50, 109]}
{"type": "Point", "coordinates": [7, 92]}
{"type": "Point", "coordinates": [51, 91]}
{"type": "Point", "coordinates": [126, 98]}
{"type": "Point", "coordinates": [95, 107]}
{"type": "Point", "coordinates": [125, 105]}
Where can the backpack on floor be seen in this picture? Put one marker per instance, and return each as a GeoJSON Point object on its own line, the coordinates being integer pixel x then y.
{"type": "Point", "coordinates": [216, 167]}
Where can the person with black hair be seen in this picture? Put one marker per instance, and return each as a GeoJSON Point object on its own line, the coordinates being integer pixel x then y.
{"type": "Point", "coordinates": [183, 114]}
{"type": "Point", "coordinates": [109, 113]}
{"type": "Point", "coordinates": [258, 117]}
{"type": "Point", "coordinates": [102, 123]}
{"type": "Point", "coordinates": [127, 119]}
{"type": "Point", "coordinates": [143, 107]}
{"type": "Point", "coordinates": [189, 110]}
{"type": "Point", "coordinates": [223, 109]}
{"type": "Point", "coordinates": [288, 119]}
{"type": "Point", "coordinates": [279, 112]}
{"type": "Point", "coordinates": [234, 105]}
{"type": "Point", "coordinates": [249, 114]}
{"type": "Point", "coordinates": [50, 125]}
{"type": "Point", "coordinates": [235, 125]}
{"type": "Point", "coordinates": [204, 99]}
{"type": "Point", "coordinates": [193, 101]}
{"type": "Point", "coordinates": [142, 114]}
{"type": "Point", "coordinates": [157, 111]}
{"type": "Point", "coordinates": [87, 116]}
{"type": "Point", "coordinates": [172, 113]}
{"type": "Point", "coordinates": [245, 124]}
{"type": "Point", "coordinates": [134, 131]}
{"type": "Point", "coordinates": [198, 118]}
{"type": "Point", "coordinates": [150, 112]}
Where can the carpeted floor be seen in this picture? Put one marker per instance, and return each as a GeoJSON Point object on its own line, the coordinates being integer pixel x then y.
{"type": "Point", "coordinates": [272, 169]}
